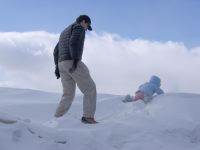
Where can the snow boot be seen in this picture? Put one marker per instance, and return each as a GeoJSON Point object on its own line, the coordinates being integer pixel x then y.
{"type": "Point", "coordinates": [88, 120]}
{"type": "Point", "coordinates": [127, 98]}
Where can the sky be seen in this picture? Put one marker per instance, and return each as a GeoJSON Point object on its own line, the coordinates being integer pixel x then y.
{"type": "Point", "coordinates": [130, 41]}
{"type": "Point", "coordinates": [176, 20]}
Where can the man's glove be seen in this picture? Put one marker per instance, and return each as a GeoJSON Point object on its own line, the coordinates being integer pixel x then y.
{"type": "Point", "coordinates": [57, 73]}
{"type": "Point", "coordinates": [74, 66]}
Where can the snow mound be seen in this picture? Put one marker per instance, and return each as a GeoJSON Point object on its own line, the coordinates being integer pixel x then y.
{"type": "Point", "coordinates": [169, 122]}
{"type": "Point", "coordinates": [178, 109]}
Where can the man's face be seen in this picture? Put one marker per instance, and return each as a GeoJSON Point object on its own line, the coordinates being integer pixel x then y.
{"type": "Point", "coordinates": [84, 24]}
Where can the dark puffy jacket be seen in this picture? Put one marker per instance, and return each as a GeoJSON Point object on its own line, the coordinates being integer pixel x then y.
{"type": "Point", "coordinates": [55, 54]}
{"type": "Point", "coordinates": [71, 43]}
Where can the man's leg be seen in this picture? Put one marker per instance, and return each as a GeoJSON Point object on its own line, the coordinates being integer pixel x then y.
{"type": "Point", "coordinates": [87, 87]}
{"type": "Point", "coordinates": [69, 87]}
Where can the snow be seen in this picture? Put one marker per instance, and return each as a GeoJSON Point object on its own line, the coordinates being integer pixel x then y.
{"type": "Point", "coordinates": [169, 122]}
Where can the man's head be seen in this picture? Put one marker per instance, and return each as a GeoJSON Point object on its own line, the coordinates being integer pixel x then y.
{"type": "Point", "coordinates": [85, 21]}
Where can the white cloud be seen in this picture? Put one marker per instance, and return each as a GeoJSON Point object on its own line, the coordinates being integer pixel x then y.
{"type": "Point", "coordinates": [118, 65]}
{"type": "Point", "coordinates": [26, 60]}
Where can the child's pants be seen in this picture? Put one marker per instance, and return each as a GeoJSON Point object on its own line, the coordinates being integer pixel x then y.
{"type": "Point", "coordinates": [140, 95]}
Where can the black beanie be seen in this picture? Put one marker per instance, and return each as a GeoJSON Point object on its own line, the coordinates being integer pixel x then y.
{"type": "Point", "coordinates": [87, 20]}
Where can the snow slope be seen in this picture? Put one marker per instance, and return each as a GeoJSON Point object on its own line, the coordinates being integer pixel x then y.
{"type": "Point", "coordinates": [169, 122]}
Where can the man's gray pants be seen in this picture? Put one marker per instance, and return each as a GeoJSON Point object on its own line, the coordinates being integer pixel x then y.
{"type": "Point", "coordinates": [82, 78]}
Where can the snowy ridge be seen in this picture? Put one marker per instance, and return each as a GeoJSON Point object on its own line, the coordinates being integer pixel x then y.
{"type": "Point", "coordinates": [169, 122]}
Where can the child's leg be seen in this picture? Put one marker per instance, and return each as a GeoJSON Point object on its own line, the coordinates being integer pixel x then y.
{"type": "Point", "coordinates": [138, 95]}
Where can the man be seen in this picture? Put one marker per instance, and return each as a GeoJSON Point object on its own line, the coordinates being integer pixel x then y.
{"type": "Point", "coordinates": [67, 56]}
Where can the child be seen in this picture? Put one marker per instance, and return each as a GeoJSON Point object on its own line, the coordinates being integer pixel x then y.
{"type": "Point", "coordinates": [146, 91]}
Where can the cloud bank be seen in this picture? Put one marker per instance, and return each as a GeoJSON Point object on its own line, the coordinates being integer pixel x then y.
{"type": "Point", "coordinates": [118, 65]}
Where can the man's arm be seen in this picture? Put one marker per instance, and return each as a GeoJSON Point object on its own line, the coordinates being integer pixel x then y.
{"type": "Point", "coordinates": [55, 54]}
{"type": "Point", "coordinates": [75, 40]}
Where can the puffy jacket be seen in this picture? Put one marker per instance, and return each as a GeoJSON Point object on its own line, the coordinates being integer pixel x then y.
{"type": "Point", "coordinates": [71, 43]}
{"type": "Point", "coordinates": [151, 87]}
{"type": "Point", "coordinates": [55, 54]}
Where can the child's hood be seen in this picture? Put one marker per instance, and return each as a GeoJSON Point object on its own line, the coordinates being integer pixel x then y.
{"type": "Point", "coordinates": [155, 80]}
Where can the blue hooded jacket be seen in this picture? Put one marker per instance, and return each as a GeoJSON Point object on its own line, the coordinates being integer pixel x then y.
{"type": "Point", "coordinates": [151, 87]}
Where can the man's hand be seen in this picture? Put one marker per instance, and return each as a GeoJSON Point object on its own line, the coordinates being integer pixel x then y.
{"type": "Point", "coordinates": [57, 73]}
